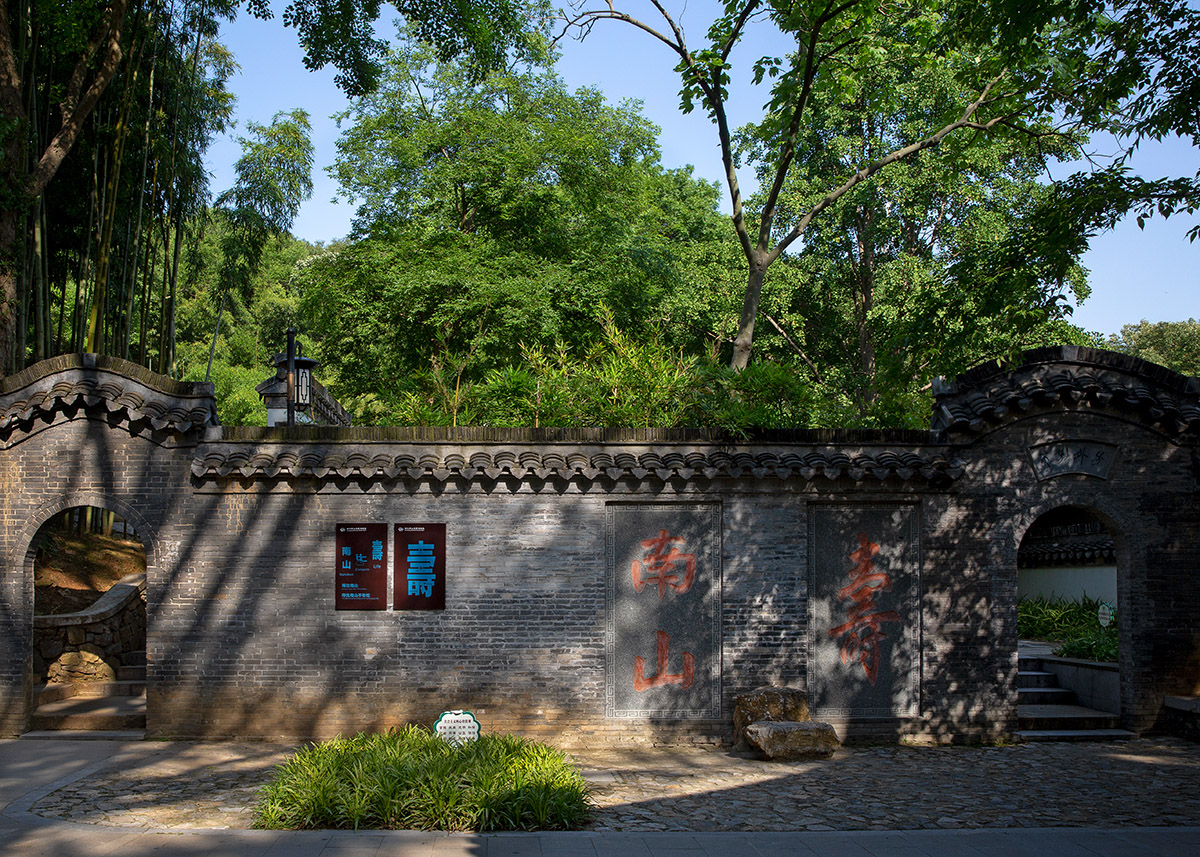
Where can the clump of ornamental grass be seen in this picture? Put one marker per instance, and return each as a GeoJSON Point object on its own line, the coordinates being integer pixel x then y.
{"type": "Point", "coordinates": [410, 779]}
{"type": "Point", "coordinates": [1072, 624]}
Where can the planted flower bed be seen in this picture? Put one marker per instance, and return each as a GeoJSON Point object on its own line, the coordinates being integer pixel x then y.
{"type": "Point", "coordinates": [412, 779]}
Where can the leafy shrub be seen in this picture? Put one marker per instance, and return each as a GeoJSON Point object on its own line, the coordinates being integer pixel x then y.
{"type": "Point", "coordinates": [412, 779]}
{"type": "Point", "coordinates": [1071, 623]}
{"type": "Point", "coordinates": [1097, 645]}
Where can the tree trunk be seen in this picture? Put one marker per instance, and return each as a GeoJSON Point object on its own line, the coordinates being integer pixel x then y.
{"type": "Point", "coordinates": [864, 303]}
{"type": "Point", "coordinates": [745, 337]}
{"type": "Point", "coordinates": [8, 283]}
{"type": "Point", "coordinates": [41, 329]}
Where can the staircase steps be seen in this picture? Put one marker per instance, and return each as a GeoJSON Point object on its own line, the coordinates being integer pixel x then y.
{"type": "Point", "coordinates": [1047, 712]}
{"type": "Point", "coordinates": [91, 713]}
{"type": "Point", "coordinates": [109, 709]}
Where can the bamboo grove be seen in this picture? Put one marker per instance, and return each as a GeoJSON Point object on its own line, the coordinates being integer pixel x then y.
{"type": "Point", "coordinates": [97, 255]}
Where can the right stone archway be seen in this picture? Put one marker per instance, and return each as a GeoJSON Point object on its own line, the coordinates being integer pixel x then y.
{"type": "Point", "coordinates": [1114, 437]}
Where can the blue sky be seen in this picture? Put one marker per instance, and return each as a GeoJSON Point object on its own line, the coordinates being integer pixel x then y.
{"type": "Point", "coordinates": [1136, 274]}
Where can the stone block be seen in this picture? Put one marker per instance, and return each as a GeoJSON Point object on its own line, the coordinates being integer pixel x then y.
{"type": "Point", "coordinates": [75, 635]}
{"type": "Point", "coordinates": [768, 703]}
{"type": "Point", "coordinates": [788, 741]}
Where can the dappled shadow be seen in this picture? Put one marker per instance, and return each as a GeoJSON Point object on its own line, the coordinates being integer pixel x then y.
{"type": "Point", "coordinates": [244, 638]}
{"type": "Point", "coordinates": [1144, 783]}
{"type": "Point", "coordinates": [174, 785]}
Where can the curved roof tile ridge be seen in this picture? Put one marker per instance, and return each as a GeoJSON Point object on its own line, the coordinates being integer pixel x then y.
{"type": "Point", "coordinates": [72, 381]}
{"type": "Point", "coordinates": [1067, 376]}
{"type": "Point", "coordinates": [290, 460]}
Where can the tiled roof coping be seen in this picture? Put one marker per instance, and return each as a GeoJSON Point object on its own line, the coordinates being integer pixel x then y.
{"type": "Point", "coordinates": [71, 382]}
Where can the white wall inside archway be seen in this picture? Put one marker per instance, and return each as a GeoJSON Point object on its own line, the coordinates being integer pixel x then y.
{"type": "Point", "coordinates": [1067, 554]}
{"type": "Point", "coordinates": [1069, 583]}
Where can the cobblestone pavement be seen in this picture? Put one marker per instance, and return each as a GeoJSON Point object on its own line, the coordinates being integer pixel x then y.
{"type": "Point", "coordinates": [1152, 782]}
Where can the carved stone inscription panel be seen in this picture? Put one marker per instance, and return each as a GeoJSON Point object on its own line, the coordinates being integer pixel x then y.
{"type": "Point", "coordinates": [664, 610]}
{"type": "Point", "coordinates": [864, 634]}
{"type": "Point", "coordinates": [1062, 457]}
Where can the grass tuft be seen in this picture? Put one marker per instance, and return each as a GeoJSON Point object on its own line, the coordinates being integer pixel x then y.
{"type": "Point", "coordinates": [409, 779]}
{"type": "Point", "coordinates": [1072, 624]}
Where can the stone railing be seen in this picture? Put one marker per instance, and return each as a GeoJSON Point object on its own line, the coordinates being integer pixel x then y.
{"type": "Point", "coordinates": [87, 646]}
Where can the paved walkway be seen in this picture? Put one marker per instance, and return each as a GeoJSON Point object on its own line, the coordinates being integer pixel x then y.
{"type": "Point", "coordinates": [87, 798]}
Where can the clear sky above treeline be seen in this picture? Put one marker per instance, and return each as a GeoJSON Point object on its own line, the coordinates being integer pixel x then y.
{"type": "Point", "coordinates": [1151, 274]}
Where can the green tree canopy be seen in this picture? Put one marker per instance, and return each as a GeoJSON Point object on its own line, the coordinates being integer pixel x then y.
{"type": "Point", "coordinates": [1174, 344]}
{"type": "Point", "coordinates": [884, 300]}
{"type": "Point", "coordinates": [514, 156]}
{"type": "Point", "coordinates": [273, 178]}
{"type": "Point", "coordinates": [1010, 61]}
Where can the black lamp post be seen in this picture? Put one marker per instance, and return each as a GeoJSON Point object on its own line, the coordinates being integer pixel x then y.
{"type": "Point", "coordinates": [291, 376]}
{"type": "Point", "coordinates": [295, 371]}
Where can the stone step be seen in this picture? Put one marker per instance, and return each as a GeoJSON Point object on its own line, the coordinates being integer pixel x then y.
{"type": "Point", "coordinates": [92, 714]}
{"type": "Point", "coordinates": [1036, 678]}
{"type": "Point", "coordinates": [47, 693]}
{"type": "Point", "coordinates": [110, 688]}
{"type": "Point", "coordinates": [1029, 664]}
{"type": "Point", "coordinates": [1045, 696]}
{"type": "Point", "coordinates": [137, 673]}
{"type": "Point", "coordinates": [1064, 717]}
{"type": "Point", "coordinates": [85, 735]}
{"type": "Point", "coordinates": [1075, 735]}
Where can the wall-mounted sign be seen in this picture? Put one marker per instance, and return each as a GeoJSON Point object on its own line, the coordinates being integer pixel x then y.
{"type": "Point", "coordinates": [1104, 614]}
{"type": "Point", "coordinates": [420, 576]}
{"type": "Point", "coordinates": [457, 727]}
{"type": "Point", "coordinates": [360, 567]}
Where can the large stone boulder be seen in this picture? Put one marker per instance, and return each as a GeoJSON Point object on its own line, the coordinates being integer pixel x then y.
{"type": "Point", "coordinates": [789, 741]}
{"type": "Point", "coordinates": [767, 703]}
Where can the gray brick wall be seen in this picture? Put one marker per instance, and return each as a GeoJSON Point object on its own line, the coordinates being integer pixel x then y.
{"type": "Point", "coordinates": [243, 638]}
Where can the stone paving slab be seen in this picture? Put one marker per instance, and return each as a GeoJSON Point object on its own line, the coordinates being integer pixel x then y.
{"type": "Point", "coordinates": [1144, 842]}
{"type": "Point", "coordinates": [1148, 782]}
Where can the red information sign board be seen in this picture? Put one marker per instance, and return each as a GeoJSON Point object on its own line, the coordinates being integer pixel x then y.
{"type": "Point", "coordinates": [360, 575]}
{"type": "Point", "coordinates": [420, 582]}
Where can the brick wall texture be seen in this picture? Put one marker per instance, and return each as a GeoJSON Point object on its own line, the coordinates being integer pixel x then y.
{"type": "Point", "coordinates": [243, 638]}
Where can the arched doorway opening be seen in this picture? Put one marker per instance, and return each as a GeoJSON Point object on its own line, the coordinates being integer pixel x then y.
{"type": "Point", "coordinates": [88, 658]}
{"type": "Point", "coordinates": [1067, 586]}
{"type": "Point", "coordinates": [1068, 555]}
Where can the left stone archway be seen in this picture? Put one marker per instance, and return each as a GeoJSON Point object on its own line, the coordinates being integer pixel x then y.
{"type": "Point", "coordinates": [102, 647]}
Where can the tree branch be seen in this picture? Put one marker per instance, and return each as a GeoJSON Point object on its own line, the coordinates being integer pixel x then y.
{"type": "Point", "coordinates": [812, 63]}
{"type": "Point", "coordinates": [812, 366]}
{"type": "Point", "coordinates": [735, 34]}
{"type": "Point", "coordinates": [965, 121]}
{"type": "Point", "coordinates": [584, 21]}
{"type": "Point", "coordinates": [75, 108]}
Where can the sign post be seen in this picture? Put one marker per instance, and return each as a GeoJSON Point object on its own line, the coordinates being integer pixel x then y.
{"type": "Point", "coordinates": [457, 727]}
{"type": "Point", "coordinates": [420, 567]}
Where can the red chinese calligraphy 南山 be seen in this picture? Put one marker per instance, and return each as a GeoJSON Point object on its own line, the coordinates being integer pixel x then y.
{"type": "Point", "coordinates": [659, 565]}
{"type": "Point", "coordinates": [861, 634]}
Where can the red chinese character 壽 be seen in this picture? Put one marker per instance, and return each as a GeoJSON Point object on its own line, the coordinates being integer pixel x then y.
{"type": "Point", "coordinates": [862, 631]}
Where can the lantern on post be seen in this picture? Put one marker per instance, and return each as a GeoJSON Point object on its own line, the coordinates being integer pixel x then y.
{"type": "Point", "coordinates": [290, 395]}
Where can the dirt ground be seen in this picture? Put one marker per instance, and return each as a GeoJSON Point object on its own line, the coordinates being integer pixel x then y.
{"type": "Point", "coordinates": [72, 571]}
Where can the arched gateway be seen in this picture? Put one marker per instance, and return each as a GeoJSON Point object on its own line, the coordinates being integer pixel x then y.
{"type": "Point", "coordinates": [585, 585]}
